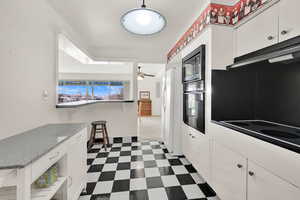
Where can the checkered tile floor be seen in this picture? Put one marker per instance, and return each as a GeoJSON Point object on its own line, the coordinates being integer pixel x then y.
{"type": "Point", "coordinates": [132, 170]}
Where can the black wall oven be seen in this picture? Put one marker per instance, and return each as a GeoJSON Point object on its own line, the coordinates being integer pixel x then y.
{"type": "Point", "coordinates": [193, 77]}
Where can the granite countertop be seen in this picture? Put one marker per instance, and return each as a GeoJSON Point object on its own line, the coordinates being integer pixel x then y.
{"type": "Point", "coordinates": [21, 150]}
{"type": "Point", "coordinates": [89, 102]}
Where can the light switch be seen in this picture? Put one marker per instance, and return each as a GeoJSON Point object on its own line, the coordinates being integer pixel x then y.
{"type": "Point", "coordinates": [45, 94]}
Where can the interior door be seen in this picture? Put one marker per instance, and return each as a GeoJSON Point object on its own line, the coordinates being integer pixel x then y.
{"type": "Point", "coordinates": [263, 185]}
{"type": "Point", "coordinates": [229, 171]}
{"type": "Point", "coordinates": [260, 32]}
{"type": "Point", "coordinates": [289, 19]}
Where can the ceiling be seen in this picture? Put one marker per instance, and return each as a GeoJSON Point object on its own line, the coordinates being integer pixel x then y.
{"type": "Point", "coordinates": [98, 21]}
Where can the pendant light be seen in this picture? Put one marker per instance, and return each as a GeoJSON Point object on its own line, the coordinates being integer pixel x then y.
{"type": "Point", "coordinates": [143, 21]}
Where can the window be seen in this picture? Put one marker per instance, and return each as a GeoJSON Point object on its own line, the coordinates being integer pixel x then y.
{"type": "Point", "coordinates": [73, 91]}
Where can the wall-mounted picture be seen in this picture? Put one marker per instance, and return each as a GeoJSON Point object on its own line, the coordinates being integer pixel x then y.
{"type": "Point", "coordinates": [144, 94]}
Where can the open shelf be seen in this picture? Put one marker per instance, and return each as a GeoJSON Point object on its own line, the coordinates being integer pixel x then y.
{"type": "Point", "coordinates": [49, 192]}
{"type": "Point", "coordinates": [9, 193]}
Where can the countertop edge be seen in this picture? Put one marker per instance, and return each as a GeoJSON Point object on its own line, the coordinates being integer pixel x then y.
{"type": "Point", "coordinates": [259, 137]}
{"type": "Point", "coordinates": [90, 103]}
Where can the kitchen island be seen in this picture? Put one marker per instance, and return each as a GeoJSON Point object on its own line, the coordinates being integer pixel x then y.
{"type": "Point", "coordinates": [25, 157]}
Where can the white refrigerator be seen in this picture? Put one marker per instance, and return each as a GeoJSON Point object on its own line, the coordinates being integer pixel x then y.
{"type": "Point", "coordinates": [172, 109]}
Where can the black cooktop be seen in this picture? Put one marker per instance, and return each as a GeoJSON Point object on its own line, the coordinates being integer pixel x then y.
{"type": "Point", "coordinates": [269, 131]}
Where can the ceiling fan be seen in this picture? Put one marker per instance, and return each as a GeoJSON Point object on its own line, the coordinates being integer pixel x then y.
{"type": "Point", "coordinates": [141, 75]}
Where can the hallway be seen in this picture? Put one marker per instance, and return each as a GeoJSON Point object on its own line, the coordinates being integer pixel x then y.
{"type": "Point", "coordinates": [149, 128]}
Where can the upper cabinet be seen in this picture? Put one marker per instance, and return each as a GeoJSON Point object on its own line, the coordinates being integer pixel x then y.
{"type": "Point", "coordinates": [276, 24]}
{"type": "Point", "coordinates": [260, 32]}
{"type": "Point", "coordinates": [289, 24]}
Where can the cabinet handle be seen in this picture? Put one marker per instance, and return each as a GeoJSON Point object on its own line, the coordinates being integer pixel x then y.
{"type": "Point", "coordinates": [239, 166]}
{"type": "Point", "coordinates": [193, 136]}
{"type": "Point", "coordinates": [251, 173]}
{"type": "Point", "coordinates": [270, 37]}
{"type": "Point", "coordinates": [284, 32]}
{"type": "Point", "coordinates": [53, 157]}
{"type": "Point", "coordinates": [190, 134]}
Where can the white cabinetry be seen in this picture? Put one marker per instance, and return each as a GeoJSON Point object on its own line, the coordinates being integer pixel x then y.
{"type": "Point", "coordinates": [196, 149]}
{"type": "Point", "coordinates": [186, 144]}
{"type": "Point", "coordinates": [276, 24]}
{"type": "Point", "coordinates": [200, 152]}
{"type": "Point", "coordinates": [237, 178]}
{"type": "Point", "coordinates": [263, 185]}
{"type": "Point", "coordinates": [260, 32]}
{"type": "Point", "coordinates": [229, 173]}
{"type": "Point", "coordinates": [289, 25]}
{"type": "Point", "coordinates": [77, 165]}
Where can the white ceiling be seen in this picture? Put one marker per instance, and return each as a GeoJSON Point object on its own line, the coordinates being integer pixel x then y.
{"type": "Point", "coordinates": [98, 21]}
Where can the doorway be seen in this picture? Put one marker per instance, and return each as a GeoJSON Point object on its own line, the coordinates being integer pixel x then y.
{"type": "Point", "coordinates": [150, 100]}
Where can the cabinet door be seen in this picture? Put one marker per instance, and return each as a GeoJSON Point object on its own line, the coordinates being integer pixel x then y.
{"type": "Point", "coordinates": [289, 25]}
{"type": "Point", "coordinates": [201, 153]}
{"type": "Point", "coordinates": [229, 173]}
{"type": "Point", "coordinates": [260, 32]}
{"type": "Point", "coordinates": [263, 185]}
{"type": "Point", "coordinates": [77, 168]}
{"type": "Point", "coordinates": [187, 143]}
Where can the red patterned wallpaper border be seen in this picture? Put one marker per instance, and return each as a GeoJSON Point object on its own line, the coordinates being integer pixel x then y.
{"type": "Point", "coordinates": [216, 14]}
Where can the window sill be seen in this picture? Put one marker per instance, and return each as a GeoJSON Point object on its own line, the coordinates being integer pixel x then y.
{"type": "Point", "coordinates": [84, 103]}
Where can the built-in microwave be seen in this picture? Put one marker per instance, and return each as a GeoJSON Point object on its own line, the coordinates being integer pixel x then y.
{"type": "Point", "coordinates": [194, 65]}
{"type": "Point", "coordinates": [193, 77]}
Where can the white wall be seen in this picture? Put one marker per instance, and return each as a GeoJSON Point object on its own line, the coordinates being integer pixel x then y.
{"type": "Point", "coordinates": [28, 60]}
{"type": "Point", "coordinates": [95, 76]}
{"type": "Point", "coordinates": [68, 64]}
{"type": "Point", "coordinates": [28, 65]}
{"type": "Point", "coordinates": [149, 84]}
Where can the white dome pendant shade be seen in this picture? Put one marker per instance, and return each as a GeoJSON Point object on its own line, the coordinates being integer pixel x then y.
{"type": "Point", "coordinates": [143, 21]}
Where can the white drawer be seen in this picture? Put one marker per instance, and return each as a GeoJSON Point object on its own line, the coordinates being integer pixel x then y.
{"type": "Point", "coordinates": [45, 162]}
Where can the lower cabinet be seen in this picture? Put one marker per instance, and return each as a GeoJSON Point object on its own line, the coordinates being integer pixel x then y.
{"type": "Point", "coordinates": [187, 144]}
{"type": "Point", "coordinates": [229, 173]}
{"type": "Point", "coordinates": [201, 154]}
{"type": "Point", "coordinates": [77, 169]}
{"type": "Point", "coordinates": [196, 149]}
{"type": "Point", "coordinates": [263, 185]}
{"type": "Point", "coordinates": [234, 177]}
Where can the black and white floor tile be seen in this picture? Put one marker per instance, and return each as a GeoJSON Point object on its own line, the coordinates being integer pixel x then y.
{"type": "Point", "coordinates": [142, 170]}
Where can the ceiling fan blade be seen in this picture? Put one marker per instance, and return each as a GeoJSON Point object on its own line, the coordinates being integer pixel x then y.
{"type": "Point", "coordinates": [150, 75]}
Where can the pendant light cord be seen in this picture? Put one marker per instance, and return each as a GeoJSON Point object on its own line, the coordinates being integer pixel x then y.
{"type": "Point", "coordinates": [143, 6]}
